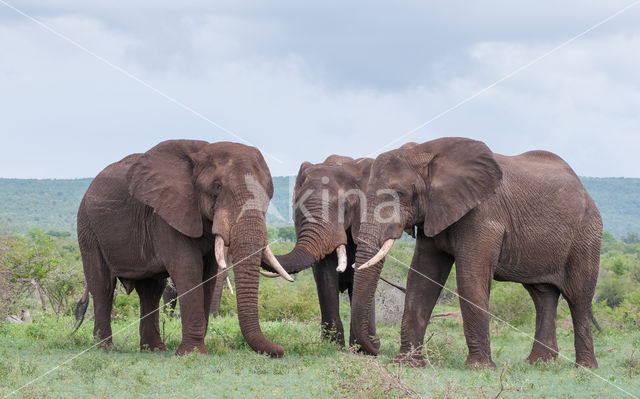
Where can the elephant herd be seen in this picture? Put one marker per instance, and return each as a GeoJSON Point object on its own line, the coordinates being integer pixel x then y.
{"type": "Point", "coordinates": [191, 210]}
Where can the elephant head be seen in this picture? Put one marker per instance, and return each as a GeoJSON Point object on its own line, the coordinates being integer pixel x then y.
{"type": "Point", "coordinates": [327, 204]}
{"type": "Point", "coordinates": [431, 185]}
{"type": "Point", "coordinates": [220, 191]}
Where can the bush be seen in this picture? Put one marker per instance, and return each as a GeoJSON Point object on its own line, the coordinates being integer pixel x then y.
{"type": "Point", "coordinates": [279, 299]}
{"type": "Point", "coordinates": [613, 289]}
{"type": "Point", "coordinates": [6, 290]}
{"type": "Point", "coordinates": [125, 307]}
{"type": "Point", "coordinates": [512, 303]}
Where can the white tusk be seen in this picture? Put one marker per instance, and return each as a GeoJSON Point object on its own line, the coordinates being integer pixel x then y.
{"type": "Point", "coordinates": [342, 258]}
{"type": "Point", "coordinates": [269, 274]}
{"type": "Point", "coordinates": [386, 247]}
{"type": "Point", "coordinates": [271, 258]}
{"type": "Point", "coordinates": [229, 285]}
{"type": "Point", "coordinates": [220, 253]}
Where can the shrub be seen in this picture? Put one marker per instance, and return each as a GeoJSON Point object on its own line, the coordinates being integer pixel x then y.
{"type": "Point", "coordinates": [612, 289]}
{"type": "Point", "coordinates": [125, 306]}
{"type": "Point", "coordinates": [512, 303]}
{"type": "Point", "coordinates": [279, 299]}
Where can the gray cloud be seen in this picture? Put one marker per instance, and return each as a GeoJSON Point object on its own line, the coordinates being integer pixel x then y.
{"type": "Point", "coordinates": [302, 81]}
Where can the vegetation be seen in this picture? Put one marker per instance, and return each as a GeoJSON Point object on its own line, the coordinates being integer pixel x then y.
{"type": "Point", "coordinates": [50, 204]}
{"type": "Point", "coordinates": [53, 204]}
{"type": "Point", "coordinates": [290, 316]}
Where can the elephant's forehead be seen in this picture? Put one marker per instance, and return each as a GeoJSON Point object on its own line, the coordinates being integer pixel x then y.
{"type": "Point", "coordinates": [388, 162]}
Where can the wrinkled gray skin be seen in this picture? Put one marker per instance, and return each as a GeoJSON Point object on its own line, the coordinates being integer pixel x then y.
{"type": "Point", "coordinates": [524, 218]}
{"type": "Point", "coordinates": [318, 237]}
{"type": "Point", "coordinates": [154, 215]}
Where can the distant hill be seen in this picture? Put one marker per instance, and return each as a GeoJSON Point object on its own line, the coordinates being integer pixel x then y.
{"type": "Point", "coordinates": [619, 202]}
{"type": "Point", "coordinates": [52, 204]}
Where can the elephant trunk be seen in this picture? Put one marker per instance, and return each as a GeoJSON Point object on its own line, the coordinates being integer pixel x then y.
{"type": "Point", "coordinates": [297, 260]}
{"type": "Point", "coordinates": [248, 239]}
{"type": "Point", "coordinates": [364, 288]}
{"type": "Point", "coordinates": [316, 239]}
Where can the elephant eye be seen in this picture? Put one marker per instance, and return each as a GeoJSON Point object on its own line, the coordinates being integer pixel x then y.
{"type": "Point", "coordinates": [217, 186]}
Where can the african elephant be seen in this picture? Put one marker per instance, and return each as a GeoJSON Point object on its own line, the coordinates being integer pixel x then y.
{"type": "Point", "coordinates": [327, 218]}
{"type": "Point", "coordinates": [326, 223]}
{"type": "Point", "coordinates": [181, 209]}
{"type": "Point", "coordinates": [524, 218]}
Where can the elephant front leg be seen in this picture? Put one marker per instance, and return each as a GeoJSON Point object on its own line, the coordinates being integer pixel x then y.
{"type": "Point", "coordinates": [150, 291]}
{"type": "Point", "coordinates": [428, 274]}
{"type": "Point", "coordinates": [188, 280]}
{"type": "Point", "coordinates": [474, 283]}
{"type": "Point", "coordinates": [326, 278]}
{"type": "Point", "coordinates": [545, 299]}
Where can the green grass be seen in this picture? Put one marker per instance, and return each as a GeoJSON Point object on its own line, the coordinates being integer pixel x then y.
{"type": "Point", "coordinates": [314, 368]}
{"type": "Point", "coordinates": [310, 368]}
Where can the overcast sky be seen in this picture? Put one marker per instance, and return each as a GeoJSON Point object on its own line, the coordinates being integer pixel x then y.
{"type": "Point", "coordinates": [302, 81]}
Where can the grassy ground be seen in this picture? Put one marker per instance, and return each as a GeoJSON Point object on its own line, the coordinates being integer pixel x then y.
{"type": "Point", "coordinates": [310, 368]}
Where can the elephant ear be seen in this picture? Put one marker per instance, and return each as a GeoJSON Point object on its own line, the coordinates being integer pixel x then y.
{"type": "Point", "coordinates": [162, 178]}
{"type": "Point", "coordinates": [302, 175]}
{"type": "Point", "coordinates": [460, 174]}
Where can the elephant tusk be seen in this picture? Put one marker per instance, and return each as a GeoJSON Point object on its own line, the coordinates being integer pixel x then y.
{"type": "Point", "coordinates": [220, 253]}
{"type": "Point", "coordinates": [386, 247]}
{"type": "Point", "coordinates": [229, 285]}
{"type": "Point", "coordinates": [342, 258]}
{"type": "Point", "coordinates": [271, 258]}
{"type": "Point", "coordinates": [269, 274]}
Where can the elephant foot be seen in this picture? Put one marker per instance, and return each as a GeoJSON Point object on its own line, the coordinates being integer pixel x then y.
{"type": "Point", "coordinates": [542, 355]}
{"type": "Point", "coordinates": [409, 360]}
{"type": "Point", "coordinates": [476, 363]}
{"type": "Point", "coordinates": [185, 349]}
{"type": "Point", "coordinates": [157, 346]}
{"type": "Point", "coordinates": [590, 362]}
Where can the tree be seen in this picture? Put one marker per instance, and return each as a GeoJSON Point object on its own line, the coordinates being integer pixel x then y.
{"type": "Point", "coordinates": [287, 233]}
{"type": "Point", "coordinates": [631, 238]}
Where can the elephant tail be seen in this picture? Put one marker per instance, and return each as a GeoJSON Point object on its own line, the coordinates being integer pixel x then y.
{"type": "Point", "coordinates": [81, 309]}
{"type": "Point", "coordinates": [595, 322]}
{"type": "Point", "coordinates": [398, 286]}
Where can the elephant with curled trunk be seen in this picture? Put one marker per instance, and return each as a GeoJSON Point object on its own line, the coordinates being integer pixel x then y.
{"type": "Point", "coordinates": [524, 218]}
{"type": "Point", "coordinates": [327, 212]}
{"type": "Point", "coordinates": [182, 209]}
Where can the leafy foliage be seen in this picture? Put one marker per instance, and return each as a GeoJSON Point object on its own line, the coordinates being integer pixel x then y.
{"type": "Point", "coordinates": [40, 265]}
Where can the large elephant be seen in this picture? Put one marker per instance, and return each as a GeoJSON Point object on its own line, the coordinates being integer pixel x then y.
{"type": "Point", "coordinates": [327, 219]}
{"type": "Point", "coordinates": [161, 214]}
{"type": "Point", "coordinates": [524, 218]}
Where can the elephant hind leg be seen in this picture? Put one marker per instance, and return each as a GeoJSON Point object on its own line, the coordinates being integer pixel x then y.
{"type": "Point", "coordinates": [101, 284]}
{"type": "Point", "coordinates": [545, 298]}
{"type": "Point", "coordinates": [150, 291]}
{"type": "Point", "coordinates": [580, 284]}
